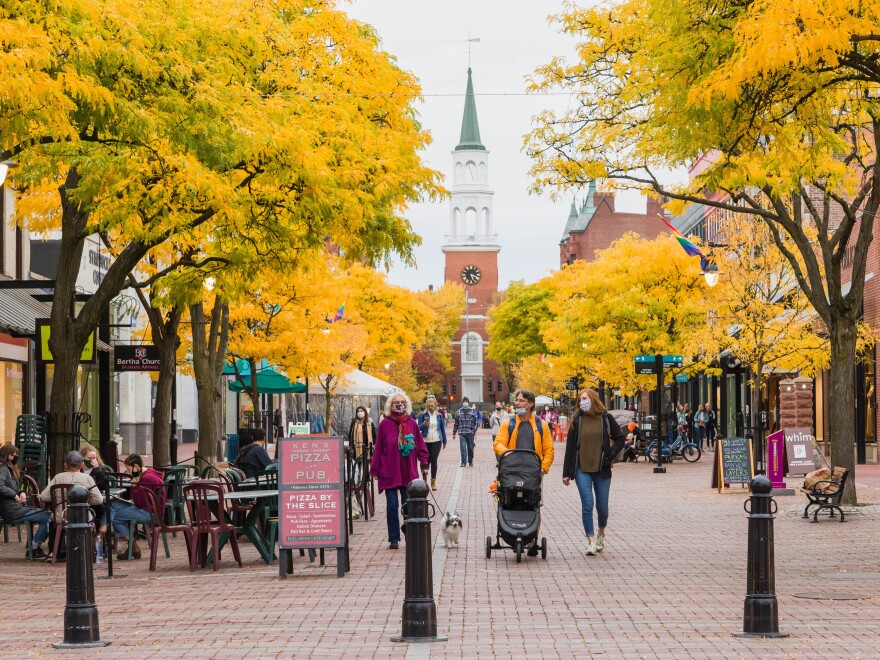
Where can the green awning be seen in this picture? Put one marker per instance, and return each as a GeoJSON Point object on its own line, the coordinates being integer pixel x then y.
{"type": "Point", "coordinates": [270, 381]}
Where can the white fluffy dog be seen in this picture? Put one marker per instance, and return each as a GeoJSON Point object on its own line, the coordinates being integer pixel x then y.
{"type": "Point", "coordinates": [451, 529]}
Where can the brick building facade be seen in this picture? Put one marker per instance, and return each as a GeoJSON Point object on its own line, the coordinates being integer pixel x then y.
{"type": "Point", "coordinates": [598, 224]}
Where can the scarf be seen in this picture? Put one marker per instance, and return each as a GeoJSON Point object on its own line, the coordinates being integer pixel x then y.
{"type": "Point", "coordinates": [363, 433]}
{"type": "Point", "coordinates": [405, 443]}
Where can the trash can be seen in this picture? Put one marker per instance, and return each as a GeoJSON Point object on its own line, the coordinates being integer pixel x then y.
{"type": "Point", "coordinates": [231, 447]}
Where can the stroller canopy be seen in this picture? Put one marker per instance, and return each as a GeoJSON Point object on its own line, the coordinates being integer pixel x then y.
{"type": "Point", "coordinates": [520, 469]}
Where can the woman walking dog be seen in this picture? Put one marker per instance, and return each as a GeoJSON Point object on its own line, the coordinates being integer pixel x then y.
{"type": "Point", "coordinates": [594, 439]}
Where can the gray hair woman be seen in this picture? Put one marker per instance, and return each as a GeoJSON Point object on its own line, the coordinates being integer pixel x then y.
{"type": "Point", "coordinates": [399, 452]}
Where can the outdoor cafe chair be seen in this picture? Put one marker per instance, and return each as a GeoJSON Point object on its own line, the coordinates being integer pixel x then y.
{"type": "Point", "coordinates": [200, 495]}
{"type": "Point", "coordinates": [159, 527]}
{"type": "Point", "coordinates": [175, 479]}
{"type": "Point", "coordinates": [58, 507]}
{"type": "Point", "coordinates": [190, 469]}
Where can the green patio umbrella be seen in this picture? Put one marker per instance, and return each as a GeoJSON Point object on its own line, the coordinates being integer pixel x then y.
{"type": "Point", "coordinates": [270, 381]}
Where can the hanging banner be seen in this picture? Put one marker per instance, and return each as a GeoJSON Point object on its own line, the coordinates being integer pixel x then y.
{"type": "Point", "coordinates": [136, 358]}
{"type": "Point", "coordinates": [776, 458]}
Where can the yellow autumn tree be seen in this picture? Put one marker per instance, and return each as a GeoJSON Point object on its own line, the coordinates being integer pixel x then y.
{"type": "Point", "coordinates": [779, 101]}
{"type": "Point", "coordinates": [637, 297]}
{"type": "Point", "coordinates": [269, 130]}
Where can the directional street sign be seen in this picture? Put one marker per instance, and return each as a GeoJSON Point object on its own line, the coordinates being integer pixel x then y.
{"type": "Point", "coordinates": [646, 365]}
{"type": "Point", "coordinates": [672, 361]}
{"type": "Point", "coordinates": [681, 378]}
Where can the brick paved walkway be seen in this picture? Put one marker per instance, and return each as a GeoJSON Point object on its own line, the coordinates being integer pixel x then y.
{"type": "Point", "coordinates": [669, 584]}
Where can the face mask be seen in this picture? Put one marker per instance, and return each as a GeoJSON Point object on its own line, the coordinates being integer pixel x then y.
{"type": "Point", "coordinates": [497, 407]}
{"type": "Point", "coordinates": [586, 404]}
{"type": "Point", "coordinates": [465, 405]}
{"type": "Point", "coordinates": [361, 414]}
{"type": "Point", "coordinates": [399, 407]}
{"type": "Point", "coordinates": [521, 411]}
{"type": "Point", "coordinates": [88, 463]}
{"type": "Point", "coordinates": [546, 409]}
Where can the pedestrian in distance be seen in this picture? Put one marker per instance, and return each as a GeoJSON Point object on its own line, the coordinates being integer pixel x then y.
{"type": "Point", "coordinates": [594, 440]}
{"type": "Point", "coordinates": [432, 425]}
{"type": "Point", "coordinates": [399, 453]}
{"type": "Point", "coordinates": [700, 418]}
{"type": "Point", "coordinates": [361, 433]}
{"type": "Point", "coordinates": [496, 419]}
{"type": "Point", "coordinates": [711, 428]}
{"type": "Point", "coordinates": [13, 499]}
{"type": "Point", "coordinates": [466, 425]}
{"type": "Point", "coordinates": [549, 415]}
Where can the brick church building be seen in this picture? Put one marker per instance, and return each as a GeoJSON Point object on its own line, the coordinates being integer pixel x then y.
{"type": "Point", "coordinates": [471, 249]}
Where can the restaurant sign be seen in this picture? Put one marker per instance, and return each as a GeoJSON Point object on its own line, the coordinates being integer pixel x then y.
{"type": "Point", "coordinates": [144, 357]}
{"type": "Point", "coordinates": [311, 502]}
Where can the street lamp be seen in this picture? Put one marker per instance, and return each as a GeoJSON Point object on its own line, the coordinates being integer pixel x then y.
{"type": "Point", "coordinates": [5, 166]}
{"type": "Point", "coordinates": [711, 273]}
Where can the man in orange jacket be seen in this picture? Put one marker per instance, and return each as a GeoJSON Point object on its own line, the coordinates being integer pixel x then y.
{"type": "Point", "coordinates": [528, 432]}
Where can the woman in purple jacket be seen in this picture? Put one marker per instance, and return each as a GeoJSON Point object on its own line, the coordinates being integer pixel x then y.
{"type": "Point", "coordinates": [399, 451]}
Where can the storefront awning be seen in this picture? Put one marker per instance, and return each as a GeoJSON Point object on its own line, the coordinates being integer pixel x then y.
{"type": "Point", "coordinates": [270, 381]}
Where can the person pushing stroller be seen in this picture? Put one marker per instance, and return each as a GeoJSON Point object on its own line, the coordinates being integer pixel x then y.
{"type": "Point", "coordinates": [522, 432]}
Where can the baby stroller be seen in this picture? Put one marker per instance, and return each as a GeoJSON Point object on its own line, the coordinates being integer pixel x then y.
{"type": "Point", "coordinates": [519, 504]}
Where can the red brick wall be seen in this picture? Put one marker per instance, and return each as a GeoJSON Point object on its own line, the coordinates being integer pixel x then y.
{"type": "Point", "coordinates": [607, 225]}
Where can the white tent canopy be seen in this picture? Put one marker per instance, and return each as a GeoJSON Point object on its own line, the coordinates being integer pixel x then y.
{"type": "Point", "coordinates": [542, 400]}
{"type": "Point", "coordinates": [358, 383]}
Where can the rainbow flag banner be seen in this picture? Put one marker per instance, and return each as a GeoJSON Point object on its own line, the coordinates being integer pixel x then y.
{"type": "Point", "coordinates": [687, 246]}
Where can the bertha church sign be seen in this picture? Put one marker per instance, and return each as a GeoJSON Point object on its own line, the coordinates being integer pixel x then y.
{"type": "Point", "coordinates": [143, 357]}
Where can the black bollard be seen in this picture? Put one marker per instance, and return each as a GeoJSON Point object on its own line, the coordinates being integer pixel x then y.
{"type": "Point", "coordinates": [80, 613]}
{"type": "Point", "coordinates": [419, 610]}
{"type": "Point", "coordinates": [760, 610]}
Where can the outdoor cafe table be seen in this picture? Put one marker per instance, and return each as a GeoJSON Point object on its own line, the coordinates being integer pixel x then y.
{"type": "Point", "coordinates": [249, 526]}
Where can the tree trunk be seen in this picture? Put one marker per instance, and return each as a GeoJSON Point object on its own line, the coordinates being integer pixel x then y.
{"type": "Point", "coordinates": [166, 339]}
{"type": "Point", "coordinates": [209, 339]}
{"type": "Point", "coordinates": [842, 332]}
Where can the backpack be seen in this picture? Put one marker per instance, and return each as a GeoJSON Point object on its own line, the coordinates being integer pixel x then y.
{"type": "Point", "coordinates": [538, 425]}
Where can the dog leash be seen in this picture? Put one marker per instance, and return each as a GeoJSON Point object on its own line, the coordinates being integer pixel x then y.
{"type": "Point", "coordinates": [436, 503]}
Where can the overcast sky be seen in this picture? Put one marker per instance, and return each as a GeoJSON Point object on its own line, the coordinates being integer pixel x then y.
{"type": "Point", "coordinates": [429, 39]}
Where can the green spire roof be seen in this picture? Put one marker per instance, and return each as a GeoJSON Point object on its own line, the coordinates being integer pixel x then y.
{"type": "Point", "coordinates": [470, 127]}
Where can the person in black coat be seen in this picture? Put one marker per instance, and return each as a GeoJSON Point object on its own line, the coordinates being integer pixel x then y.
{"type": "Point", "coordinates": [13, 498]}
{"type": "Point", "coordinates": [594, 440]}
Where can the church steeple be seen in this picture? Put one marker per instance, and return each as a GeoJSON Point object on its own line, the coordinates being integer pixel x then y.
{"type": "Point", "coordinates": [470, 127]}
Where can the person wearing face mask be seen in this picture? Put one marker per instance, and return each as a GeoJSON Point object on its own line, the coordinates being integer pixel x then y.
{"type": "Point", "coordinates": [524, 432]}
{"type": "Point", "coordinates": [362, 433]}
{"type": "Point", "coordinates": [497, 419]}
{"type": "Point", "coordinates": [91, 460]}
{"type": "Point", "coordinates": [432, 424]}
{"type": "Point", "coordinates": [399, 453]}
{"type": "Point", "coordinates": [594, 439]}
{"type": "Point", "coordinates": [13, 502]}
{"type": "Point", "coordinates": [465, 427]}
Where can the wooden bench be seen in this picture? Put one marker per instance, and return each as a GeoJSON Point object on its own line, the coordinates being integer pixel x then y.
{"type": "Point", "coordinates": [826, 494]}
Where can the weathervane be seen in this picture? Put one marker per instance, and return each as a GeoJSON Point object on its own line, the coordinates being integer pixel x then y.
{"type": "Point", "coordinates": [474, 40]}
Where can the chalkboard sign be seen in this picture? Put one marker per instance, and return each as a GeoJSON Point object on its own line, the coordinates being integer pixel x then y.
{"type": "Point", "coordinates": [735, 464]}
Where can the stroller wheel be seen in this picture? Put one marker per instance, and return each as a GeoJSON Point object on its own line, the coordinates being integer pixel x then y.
{"type": "Point", "coordinates": [488, 547]}
{"type": "Point", "coordinates": [519, 552]}
{"type": "Point", "coordinates": [543, 547]}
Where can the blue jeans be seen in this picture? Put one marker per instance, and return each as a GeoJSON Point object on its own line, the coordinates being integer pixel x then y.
{"type": "Point", "coordinates": [121, 514]}
{"type": "Point", "coordinates": [394, 499]}
{"type": "Point", "coordinates": [466, 444]}
{"type": "Point", "coordinates": [587, 482]}
{"type": "Point", "coordinates": [701, 435]}
{"type": "Point", "coordinates": [41, 517]}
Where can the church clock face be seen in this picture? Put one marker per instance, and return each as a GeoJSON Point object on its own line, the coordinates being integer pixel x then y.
{"type": "Point", "coordinates": [470, 275]}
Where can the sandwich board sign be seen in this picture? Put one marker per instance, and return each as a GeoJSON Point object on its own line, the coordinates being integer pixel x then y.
{"type": "Point", "coordinates": [735, 463]}
{"type": "Point", "coordinates": [311, 497]}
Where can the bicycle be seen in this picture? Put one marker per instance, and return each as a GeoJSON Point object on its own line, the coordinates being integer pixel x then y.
{"type": "Point", "coordinates": [681, 446]}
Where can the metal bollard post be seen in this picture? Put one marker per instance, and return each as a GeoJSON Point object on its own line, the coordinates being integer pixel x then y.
{"type": "Point", "coordinates": [419, 610]}
{"type": "Point", "coordinates": [760, 610]}
{"type": "Point", "coordinates": [80, 613]}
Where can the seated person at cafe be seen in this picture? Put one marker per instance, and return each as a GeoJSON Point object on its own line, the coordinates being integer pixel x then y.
{"type": "Point", "coordinates": [13, 502]}
{"type": "Point", "coordinates": [253, 458]}
{"type": "Point", "coordinates": [123, 511]}
{"type": "Point", "coordinates": [72, 474]}
{"type": "Point", "coordinates": [90, 456]}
